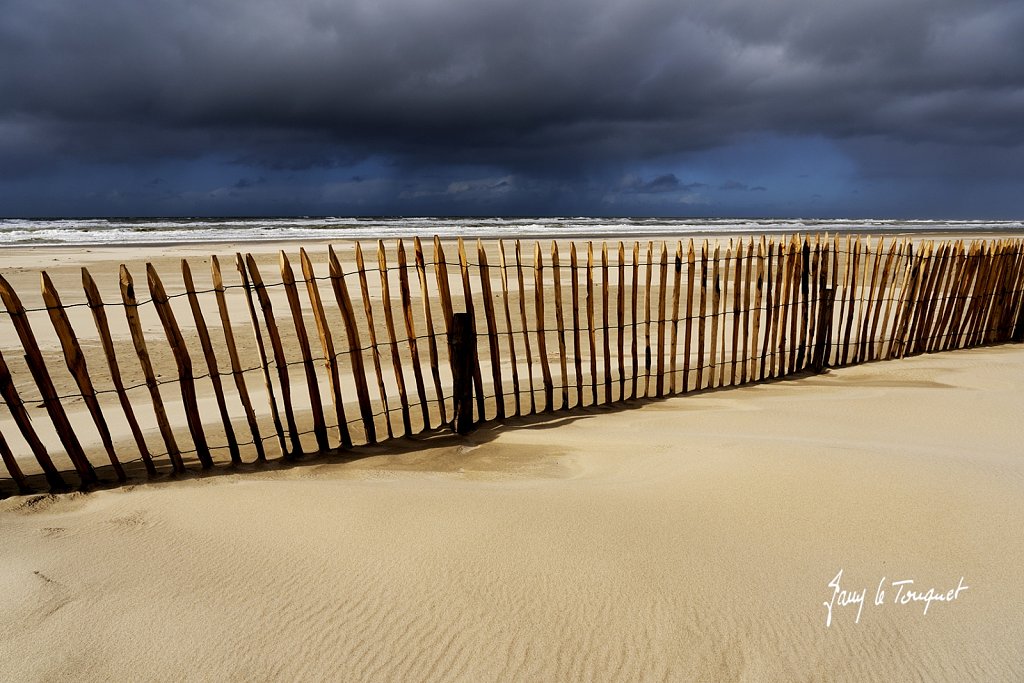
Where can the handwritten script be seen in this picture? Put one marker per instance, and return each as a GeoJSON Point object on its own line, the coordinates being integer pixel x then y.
{"type": "Point", "coordinates": [901, 592]}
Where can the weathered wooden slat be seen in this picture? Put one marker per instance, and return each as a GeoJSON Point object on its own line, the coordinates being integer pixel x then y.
{"type": "Point", "coordinates": [882, 292]}
{"type": "Point", "coordinates": [842, 292]}
{"type": "Point", "coordinates": [985, 300]}
{"type": "Point", "coordinates": [957, 263]}
{"type": "Point", "coordinates": [355, 344]}
{"type": "Point", "coordinates": [780, 298]}
{"type": "Point", "coordinates": [862, 299]}
{"type": "Point", "coordinates": [716, 300]}
{"type": "Point", "coordinates": [796, 266]}
{"type": "Point", "coordinates": [785, 308]}
{"type": "Point", "coordinates": [492, 330]}
{"type": "Point", "coordinates": [674, 340]}
{"type": "Point", "coordinates": [51, 401]}
{"type": "Point", "coordinates": [781, 317]}
{"type": "Point", "coordinates": [934, 297]}
{"type": "Point", "coordinates": [869, 275]}
{"type": "Point", "coordinates": [701, 320]}
{"type": "Point", "coordinates": [326, 345]}
{"type": "Point", "coordinates": [24, 424]}
{"type": "Point", "coordinates": [756, 323]}
{"type": "Point", "coordinates": [928, 268]}
{"type": "Point", "coordinates": [908, 298]}
{"type": "Point", "coordinates": [443, 288]}
{"type": "Point", "coordinates": [525, 325]}
{"type": "Point", "coordinates": [662, 292]}
{"type": "Point", "coordinates": [933, 274]}
{"type": "Point", "coordinates": [621, 323]}
{"type": "Point", "coordinates": [634, 293]}
{"type": "Point", "coordinates": [1003, 264]}
{"type": "Point", "coordinates": [975, 294]}
{"type": "Point", "coordinates": [747, 279]}
{"type": "Point", "coordinates": [211, 361]}
{"type": "Point", "coordinates": [824, 291]}
{"type": "Point", "coordinates": [972, 295]}
{"type": "Point", "coordinates": [302, 338]}
{"type": "Point", "coordinates": [577, 347]}
{"type": "Point", "coordinates": [723, 369]}
{"type": "Point", "coordinates": [421, 269]}
{"type": "Point", "coordinates": [410, 332]}
{"type": "Point", "coordinates": [236, 364]}
{"type": "Point", "coordinates": [813, 304]}
{"type": "Point", "coordinates": [508, 326]}
{"type": "Point", "coordinates": [947, 293]}
{"type": "Point", "coordinates": [364, 288]}
{"type": "Point", "coordinates": [860, 352]}
{"type": "Point", "coordinates": [467, 290]}
{"type": "Point", "coordinates": [186, 377]}
{"type": "Point", "coordinates": [131, 313]}
{"type": "Point", "coordinates": [647, 319]}
{"type": "Point", "coordinates": [99, 315]}
{"type": "Point", "coordinates": [389, 325]}
{"type": "Point", "coordinates": [924, 333]}
{"type": "Point", "coordinates": [560, 323]}
{"type": "Point", "coordinates": [769, 313]}
{"type": "Point", "coordinates": [804, 304]}
{"type": "Point", "coordinates": [75, 360]}
{"type": "Point", "coordinates": [903, 301]}
{"type": "Point", "coordinates": [542, 349]}
{"type": "Point", "coordinates": [280, 359]}
{"type": "Point", "coordinates": [737, 295]}
{"type": "Point", "coordinates": [891, 302]}
{"type": "Point", "coordinates": [691, 273]}
{"type": "Point", "coordinates": [591, 333]}
{"type": "Point", "coordinates": [444, 293]}
{"type": "Point", "coordinates": [996, 321]}
{"type": "Point", "coordinates": [607, 324]}
{"type": "Point", "coordinates": [262, 352]}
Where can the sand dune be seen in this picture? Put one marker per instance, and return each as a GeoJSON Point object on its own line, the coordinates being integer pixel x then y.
{"type": "Point", "coordinates": [688, 539]}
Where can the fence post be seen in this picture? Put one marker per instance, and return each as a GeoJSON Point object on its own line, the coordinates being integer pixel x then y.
{"type": "Point", "coordinates": [824, 330]}
{"type": "Point", "coordinates": [462, 339]}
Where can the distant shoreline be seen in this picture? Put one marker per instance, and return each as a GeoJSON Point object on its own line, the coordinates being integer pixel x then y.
{"type": "Point", "coordinates": [568, 236]}
{"type": "Point", "coordinates": [116, 233]}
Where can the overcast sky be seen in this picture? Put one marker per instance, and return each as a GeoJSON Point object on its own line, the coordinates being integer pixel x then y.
{"type": "Point", "coordinates": [887, 108]}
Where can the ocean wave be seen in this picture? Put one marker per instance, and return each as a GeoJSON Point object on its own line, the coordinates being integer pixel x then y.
{"type": "Point", "coordinates": [128, 231]}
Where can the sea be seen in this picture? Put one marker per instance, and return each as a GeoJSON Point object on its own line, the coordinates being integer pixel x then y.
{"type": "Point", "coordinates": [155, 231]}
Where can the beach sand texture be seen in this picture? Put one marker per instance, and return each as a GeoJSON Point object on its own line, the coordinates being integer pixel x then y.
{"type": "Point", "coordinates": [687, 539]}
{"type": "Point", "coordinates": [691, 538]}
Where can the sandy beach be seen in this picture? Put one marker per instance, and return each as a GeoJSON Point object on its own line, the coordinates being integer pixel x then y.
{"type": "Point", "coordinates": [688, 539]}
{"type": "Point", "coordinates": [692, 538]}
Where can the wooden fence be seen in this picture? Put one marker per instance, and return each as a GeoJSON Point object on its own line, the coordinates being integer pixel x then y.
{"type": "Point", "coordinates": [152, 380]}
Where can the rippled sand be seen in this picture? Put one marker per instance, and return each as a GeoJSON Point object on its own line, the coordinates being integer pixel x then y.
{"type": "Point", "coordinates": [688, 539]}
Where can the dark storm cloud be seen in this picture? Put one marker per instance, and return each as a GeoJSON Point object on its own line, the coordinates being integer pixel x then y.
{"type": "Point", "coordinates": [521, 84]}
{"type": "Point", "coordinates": [660, 184]}
{"type": "Point", "coordinates": [737, 186]}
